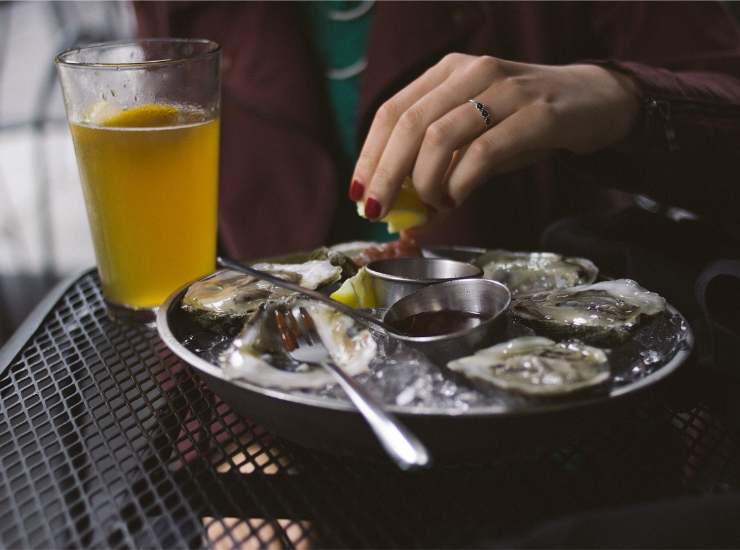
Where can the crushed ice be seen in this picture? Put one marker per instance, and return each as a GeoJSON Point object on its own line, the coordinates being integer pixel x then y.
{"type": "Point", "coordinates": [400, 375]}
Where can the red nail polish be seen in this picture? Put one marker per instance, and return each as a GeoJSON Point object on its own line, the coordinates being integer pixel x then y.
{"type": "Point", "coordinates": [372, 209]}
{"type": "Point", "coordinates": [448, 201]}
{"type": "Point", "coordinates": [356, 190]}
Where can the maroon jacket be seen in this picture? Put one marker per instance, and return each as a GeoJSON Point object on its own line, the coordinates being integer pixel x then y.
{"type": "Point", "coordinates": [281, 180]}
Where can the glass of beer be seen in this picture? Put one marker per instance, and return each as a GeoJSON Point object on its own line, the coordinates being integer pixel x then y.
{"type": "Point", "coordinates": [144, 118]}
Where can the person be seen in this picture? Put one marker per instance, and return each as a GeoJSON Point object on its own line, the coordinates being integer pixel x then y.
{"type": "Point", "coordinates": [575, 108]}
{"type": "Point", "coordinates": [637, 96]}
{"type": "Point", "coordinates": [609, 130]}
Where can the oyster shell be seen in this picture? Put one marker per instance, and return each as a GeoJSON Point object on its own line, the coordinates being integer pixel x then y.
{"type": "Point", "coordinates": [537, 366]}
{"type": "Point", "coordinates": [337, 257]}
{"type": "Point", "coordinates": [528, 272]}
{"type": "Point", "coordinates": [257, 354]}
{"type": "Point", "coordinates": [311, 274]}
{"type": "Point", "coordinates": [603, 313]}
{"type": "Point", "coordinates": [224, 300]}
{"type": "Point", "coordinates": [353, 248]}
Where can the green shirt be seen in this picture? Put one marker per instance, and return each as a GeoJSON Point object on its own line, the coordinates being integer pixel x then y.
{"type": "Point", "coordinates": [339, 30]}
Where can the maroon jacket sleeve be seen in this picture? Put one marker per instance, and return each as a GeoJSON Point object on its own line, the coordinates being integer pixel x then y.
{"type": "Point", "coordinates": [686, 147]}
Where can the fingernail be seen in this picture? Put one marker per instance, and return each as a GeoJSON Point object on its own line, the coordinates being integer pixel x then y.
{"type": "Point", "coordinates": [372, 209]}
{"type": "Point", "coordinates": [356, 190]}
{"type": "Point", "coordinates": [448, 201]}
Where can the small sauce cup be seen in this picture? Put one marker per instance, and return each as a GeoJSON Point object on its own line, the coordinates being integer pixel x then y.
{"type": "Point", "coordinates": [396, 278]}
{"type": "Point", "coordinates": [459, 253]}
{"type": "Point", "coordinates": [485, 298]}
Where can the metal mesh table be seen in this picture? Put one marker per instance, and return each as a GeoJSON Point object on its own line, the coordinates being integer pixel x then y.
{"type": "Point", "coordinates": [108, 440]}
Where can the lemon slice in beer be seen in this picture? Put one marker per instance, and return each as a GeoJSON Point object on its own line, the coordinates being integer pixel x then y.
{"type": "Point", "coordinates": [153, 115]}
{"type": "Point", "coordinates": [407, 211]}
{"type": "Point", "coordinates": [356, 292]}
{"type": "Point", "coordinates": [101, 111]}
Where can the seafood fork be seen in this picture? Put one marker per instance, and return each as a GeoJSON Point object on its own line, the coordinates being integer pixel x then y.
{"type": "Point", "coordinates": [304, 345]}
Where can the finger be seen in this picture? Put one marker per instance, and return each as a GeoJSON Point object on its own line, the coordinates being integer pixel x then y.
{"type": "Point", "coordinates": [456, 129]}
{"type": "Point", "coordinates": [387, 116]}
{"type": "Point", "coordinates": [447, 199]}
{"type": "Point", "coordinates": [402, 149]}
{"type": "Point", "coordinates": [520, 161]}
{"type": "Point", "coordinates": [530, 129]}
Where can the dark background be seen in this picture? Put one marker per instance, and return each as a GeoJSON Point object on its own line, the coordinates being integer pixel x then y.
{"type": "Point", "coordinates": [46, 239]}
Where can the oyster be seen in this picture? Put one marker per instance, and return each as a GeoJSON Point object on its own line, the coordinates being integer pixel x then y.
{"type": "Point", "coordinates": [338, 257]}
{"type": "Point", "coordinates": [311, 274]}
{"type": "Point", "coordinates": [528, 272]}
{"type": "Point", "coordinates": [353, 248]}
{"type": "Point", "coordinates": [224, 300]}
{"type": "Point", "coordinates": [537, 366]}
{"type": "Point", "coordinates": [603, 313]}
{"type": "Point", "coordinates": [257, 354]}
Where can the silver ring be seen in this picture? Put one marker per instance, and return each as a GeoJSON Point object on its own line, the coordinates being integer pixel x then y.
{"type": "Point", "coordinates": [484, 111]}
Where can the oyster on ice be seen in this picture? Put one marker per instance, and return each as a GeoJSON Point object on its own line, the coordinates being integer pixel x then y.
{"type": "Point", "coordinates": [528, 272]}
{"type": "Point", "coordinates": [257, 354]}
{"type": "Point", "coordinates": [604, 313]}
{"type": "Point", "coordinates": [311, 274]}
{"type": "Point", "coordinates": [534, 365]}
{"type": "Point", "coordinates": [337, 258]}
{"type": "Point", "coordinates": [352, 247]}
{"type": "Point", "coordinates": [224, 300]}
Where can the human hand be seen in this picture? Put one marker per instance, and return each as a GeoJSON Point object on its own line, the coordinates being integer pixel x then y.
{"type": "Point", "coordinates": [430, 130]}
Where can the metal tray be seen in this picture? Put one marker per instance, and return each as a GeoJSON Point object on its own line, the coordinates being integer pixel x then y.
{"type": "Point", "coordinates": [329, 423]}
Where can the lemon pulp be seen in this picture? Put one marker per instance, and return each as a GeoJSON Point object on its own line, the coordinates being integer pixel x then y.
{"type": "Point", "coordinates": [357, 291]}
{"type": "Point", "coordinates": [406, 212]}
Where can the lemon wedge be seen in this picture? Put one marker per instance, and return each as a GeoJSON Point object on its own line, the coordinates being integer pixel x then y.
{"type": "Point", "coordinates": [101, 111]}
{"type": "Point", "coordinates": [356, 292]}
{"type": "Point", "coordinates": [153, 115]}
{"type": "Point", "coordinates": [406, 212]}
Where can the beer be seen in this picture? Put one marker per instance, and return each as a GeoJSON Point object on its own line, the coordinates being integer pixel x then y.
{"type": "Point", "coordinates": [150, 181]}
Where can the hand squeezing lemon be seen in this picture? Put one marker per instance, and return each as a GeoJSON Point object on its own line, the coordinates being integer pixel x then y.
{"type": "Point", "coordinates": [407, 211]}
